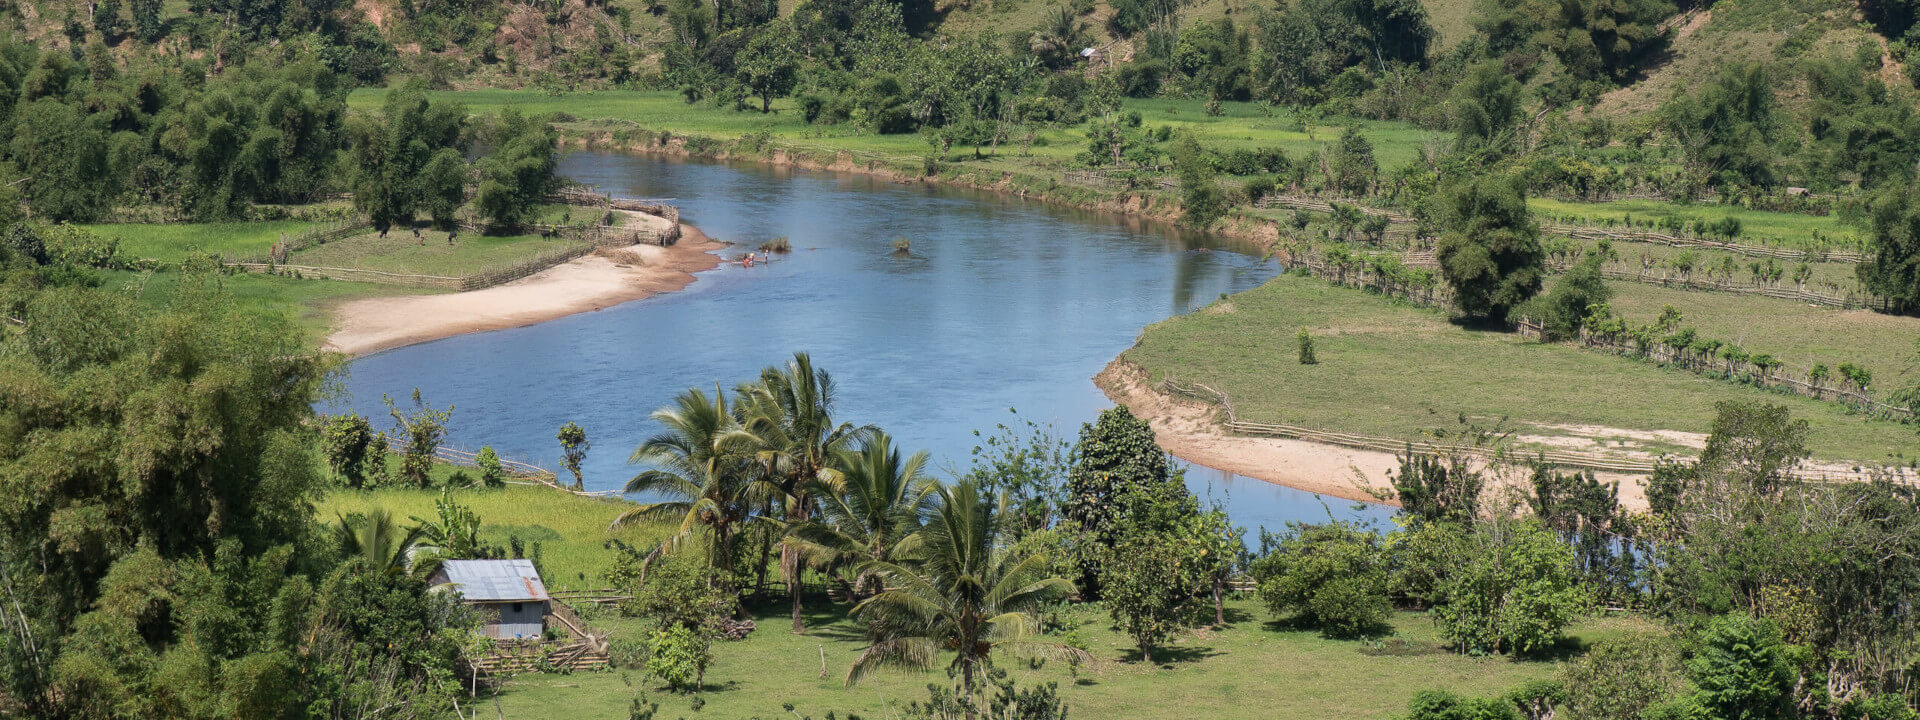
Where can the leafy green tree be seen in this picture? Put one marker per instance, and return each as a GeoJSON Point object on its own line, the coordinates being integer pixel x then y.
{"type": "Point", "coordinates": [1443, 705]}
{"type": "Point", "coordinates": [680, 656]}
{"type": "Point", "coordinates": [573, 450]}
{"type": "Point", "coordinates": [769, 67]}
{"type": "Point", "coordinates": [1515, 592]}
{"type": "Point", "coordinates": [1623, 678]}
{"type": "Point", "coordinates": [108, 20]}
{"type": "Point", "coordinates": [875, 513]}
{"type": "Point", "coordinates": [1727, 129]}
{"type": "Point", "coordinates": [1892, 270]}
{"type": "Point", "coordinates": [67, 158]}
{"type": "Point", "coordinates": [1117, 463]}
{"type": "Point", "coordinates": [1307, 356]}
{"type": "Point", "coordinates": [146, 19]}
{"type": "Point", "coordinates": [1486, 107]}
{"type": "Point", "coordinates": [968, 595]}
{"type": "Point", "coordinates": [346, 440]}
{"type": "Point", "coordinates": [1153, 572]}
{"type": "Point", "coordinates": [1491, 255]}
{"type": "Point", "coordinates": [1201, 201]}
{"type": "Point", "coordinates": [421, 430]}
{"type": "Point", "coordinates": [492, 474]}
{"type": "Point", "coordinates": [390, 155]}
{"type": "Point", "coordinates": [1566, 307]}
{"type": "Point", "coordinates": [1332, 575]}
{"type": "Point", "coordinates": [519, 174]}
{"type": "Point", "coordinates": [1352, 165]}
{"type": "Point", "coordinates": [1306, 44]}
{"type": "Point", "coordinates": [1742, 670]}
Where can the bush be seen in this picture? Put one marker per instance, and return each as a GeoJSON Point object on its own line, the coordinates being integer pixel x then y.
{"type": "Point", "coordinates": [1443, 705]}
{"type": "Point", "coordinates": [1741, 669]}
{"type": "Point", "coordinates": [1306, 348]}
{"type": "Point", "coordinates": [679, 655]}
{"type": "Point", "coordinates": [1622, 679]}
{"type": "Point", "coordinates": [1514, 590]}
{"type": "Point", "coordinates": [1333, 576]}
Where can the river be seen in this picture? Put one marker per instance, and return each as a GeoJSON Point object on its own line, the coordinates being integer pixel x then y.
{"type": "Point", "coordinates": [1002, 303]}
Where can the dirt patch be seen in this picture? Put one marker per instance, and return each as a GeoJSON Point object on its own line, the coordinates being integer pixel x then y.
{"type": "Point", "coordinates": [590, 283]}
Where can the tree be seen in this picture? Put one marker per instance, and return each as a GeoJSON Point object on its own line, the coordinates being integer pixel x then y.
{"type": "Point", "coordinates": [790, 413]}
{"type": "Point", "coordinates": [107, 19]}
{"type": "Point", "coordinates": [146, 19]}
{"type": "Point", "coordinates": [346, 440]}
{"type": "Point", "coordinates": [1727, 130]}
{"type": "Point", "coordinates": [1485, 108]}
{"type": "Point", "coordinates": [1352, 165]}
{"type": "Point", "coordinates": [1892, 269]}
{"type": "Point", "coordinates": [1117, 461]}
{"type": "Point", "coordinates": [968, 595]}
{"type": "Point", "coordinates": [573, 449]}
{"type": "Point", "coordinates": [390, 155]}
{"type": "Point", "coordinates": [874, 516]}
{"type": "Point", "coordinates": [1201, 201]}
{"type": "Point", "coordinates": [1332, 575]}
{"type": "Point", "coordinates": [1516, 591]}
{"type": "Point", "coordinates": [492, 474]}
{"type": "Point", "coordinates": [68, 176]}
{"type": "Point", "coordinates": [1622, 678]}
{"type": "Point", "coordinates": [705, 461]}
{"type": "Point", "coordinates": [1307, 357]}
{"type": "Point", "coordinates": [519, 174]}
{"type": "Point", "coordinates": [1491, 255]}
{"type": "Point", "coordinates": [1742, 670]}
{"type": "Point", "coordinates": [769, 66]}
{"type": "Point", "coordinates": [421, 430]}
{"type": "Point", "coordinates": [1565, 308]}
{"type": "Point", "coordinates": [1154, 570]}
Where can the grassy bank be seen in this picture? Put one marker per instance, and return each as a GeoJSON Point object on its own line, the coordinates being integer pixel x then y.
{"type": "Point", "coordinates": [431, 254]}
{"type": "Point", "coordinates": [1394, 370]}
{"type": "Point", "coordinates": [306, 301]}
{"type": "Point", "coordinates": [1795, 333]}
{"type": "Point", "coordinates": [170, 242]}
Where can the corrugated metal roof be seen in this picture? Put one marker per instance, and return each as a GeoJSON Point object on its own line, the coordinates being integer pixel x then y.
{"type": "Point", "coordinates": [495, 580]}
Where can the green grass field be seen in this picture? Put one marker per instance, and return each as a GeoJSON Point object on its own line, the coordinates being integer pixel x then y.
{"type": "Point", "coordinates": [171, 242]}
{"type": "Point", "coordinates": [305, 301]}
{"type": "Point", "coordinates": [1255, 667]}
{"type": "Point", "coordinates": [1239, 125]}
{"type": "Point", "coordinates": [1796, 333]}
{"type": "Point", "coordinates": [1756, 226]}
{"type": "Point", "coordinates": [1394, 370]}
{"type": "Point", "coordinates": [571, 529]}
{"type": "Point", "coordinates": [400, 252]}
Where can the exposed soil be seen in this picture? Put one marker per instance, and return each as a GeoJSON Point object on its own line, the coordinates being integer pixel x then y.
{"type": "Point", "coordinates": [590, 283]}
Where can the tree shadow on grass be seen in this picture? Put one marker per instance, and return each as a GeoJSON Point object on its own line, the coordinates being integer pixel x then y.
{"type": "Point", "coordinates": [1168, 657]}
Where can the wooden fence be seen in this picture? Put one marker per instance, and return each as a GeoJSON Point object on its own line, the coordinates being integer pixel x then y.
{"type": "Point", "coordinates": [1557, 458]}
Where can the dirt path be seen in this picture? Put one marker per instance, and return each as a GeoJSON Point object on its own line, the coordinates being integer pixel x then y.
{"type": "Point", "coordinates": [590, 283]}
{"type": "Point", "coordinates": [1188, 430]}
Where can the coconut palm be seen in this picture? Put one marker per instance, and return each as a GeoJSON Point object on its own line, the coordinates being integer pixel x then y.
{"type": "Point", "coordinates": [378, 541]}
{"type": "Point", "coordinates": [967, 595]}
{"type": "Point", "coordinates": [704, 461]}
{"type": "Point", "coordinates": [874, 516]}
{"type": "Point", "coordinates": [790, 416]}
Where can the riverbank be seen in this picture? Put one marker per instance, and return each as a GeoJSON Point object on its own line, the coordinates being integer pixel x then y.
{"type": "Point", "coordinates": [1187, 429]}
{"type": "Point", "coordinates": [594, 282]}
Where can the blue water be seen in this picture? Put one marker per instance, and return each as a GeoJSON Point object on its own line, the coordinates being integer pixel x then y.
{"type": "Point", "coordinates": [1002, 303]}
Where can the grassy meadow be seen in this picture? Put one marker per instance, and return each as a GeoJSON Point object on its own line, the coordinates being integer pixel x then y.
{"type": "Point", "coordinates": [170, 242]}
{"type": "Point", "coordinates": [1761, 227]}
{"type": "Point", "coordinates": [431, 254]}
{"type": "Point", "coordinates": [1390, 369]}
{"type": "Point", "coordinates": [1795, 333]}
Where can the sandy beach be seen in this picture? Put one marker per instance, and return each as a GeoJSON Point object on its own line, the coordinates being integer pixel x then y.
{"type": "Point", "coordinates": [590, 283]}
{"type": "Point", "coordinates": [1187, 429]}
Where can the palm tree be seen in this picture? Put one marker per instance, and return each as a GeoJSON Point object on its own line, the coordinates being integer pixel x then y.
{"type": "Point", "coordinates": [704, 461]}
{"type": "Point", "coordinates": [876, 514]}
{"type": "Point", "coordinates": [378, 541]}
{"type": "Point", "coordinates": [791, 417]}
{"type": "Point", "coordinates": [968, 595]}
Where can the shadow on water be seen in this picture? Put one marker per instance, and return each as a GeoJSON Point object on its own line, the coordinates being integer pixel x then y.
{"type": "Point", "coordinates": [1003, 303]}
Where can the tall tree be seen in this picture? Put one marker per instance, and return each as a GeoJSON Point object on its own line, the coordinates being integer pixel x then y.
{"type": "Point", "coordinates": [969, 595]}
{"type": "Point", "coordinates": [1892, 270]}
{"type": "Point", "coordinates": [770, 65]}
{"type": "Point", "coordinates": [790, 411]}
{"type": "Point", "coordinates": [704, 461]}
{"type": "Point", "coordinates": [573, 450]}
{"type": "Point", "coordinates": [1491, 255]}
{"type": "Point", "coordinates": [518, 175]}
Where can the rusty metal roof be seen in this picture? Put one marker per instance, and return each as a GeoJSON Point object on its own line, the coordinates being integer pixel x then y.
{"type": "Point", "coordinates": [494, 580]}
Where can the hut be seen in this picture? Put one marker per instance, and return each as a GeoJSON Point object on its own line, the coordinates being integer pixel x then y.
{"type": "Point", "coordinates": [508, 594]}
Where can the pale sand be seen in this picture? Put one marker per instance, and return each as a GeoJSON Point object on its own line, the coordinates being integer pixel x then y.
{"type": "Point", "coordinates": [590, 283]}
{"type": "Point", "coordinates": [1188, 429]}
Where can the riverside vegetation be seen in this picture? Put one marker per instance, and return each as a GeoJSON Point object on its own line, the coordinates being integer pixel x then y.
{"type": "Point", "coordinates": [182, 537]}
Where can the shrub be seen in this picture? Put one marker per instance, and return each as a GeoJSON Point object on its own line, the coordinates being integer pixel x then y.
{"type": "Point", "coordinates": [1622, 679]}
{"type": "Point", "coordinates": [1306, 348]}
{"type": "Point", "coordinates": [1333, 576]}
{"type": "Point", "coordinates": [1515, 590]}
{"type": "Point", "coordinates": [1741, 669]}
{"type": "Point", "coordinates": [492, 474]}
{"type": "Point", "coordinates": [1443, 705]}
{"type": "Point", "coordinates": [679, 655]}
